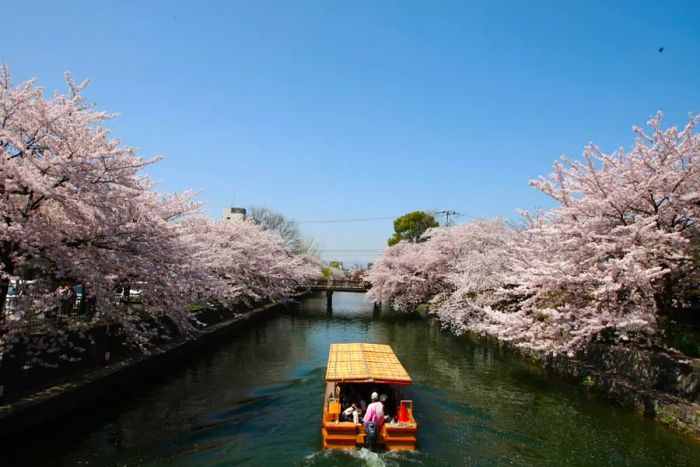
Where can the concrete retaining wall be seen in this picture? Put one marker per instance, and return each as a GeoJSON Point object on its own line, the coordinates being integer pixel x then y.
{"type": "Point", "coordinates": [87, 387]}
{"type": "Point", "coordinates": [656, 384]}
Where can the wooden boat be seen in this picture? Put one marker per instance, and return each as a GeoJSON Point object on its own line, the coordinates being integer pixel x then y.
{"type": "Point", "coordinates": [354, 372]}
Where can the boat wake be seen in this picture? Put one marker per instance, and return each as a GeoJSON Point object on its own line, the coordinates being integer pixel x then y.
{"type": "Point", "coordinates": [360, 456]}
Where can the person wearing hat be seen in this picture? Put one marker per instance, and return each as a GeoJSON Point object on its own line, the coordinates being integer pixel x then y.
{"type": "Point", "coordinates": [375, 412]}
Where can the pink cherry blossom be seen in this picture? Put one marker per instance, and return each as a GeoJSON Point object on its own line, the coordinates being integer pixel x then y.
{"type": "Point", "coordinates": [621, 247]}
{"type": "Point", "coordinates": [77, 209]}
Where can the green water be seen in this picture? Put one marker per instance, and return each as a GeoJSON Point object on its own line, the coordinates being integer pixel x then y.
{"type": "Point", "coordinates": [256, 400]}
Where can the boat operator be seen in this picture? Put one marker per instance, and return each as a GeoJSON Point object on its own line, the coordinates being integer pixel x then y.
{"type": "Point", "coordinates": [375, 412]}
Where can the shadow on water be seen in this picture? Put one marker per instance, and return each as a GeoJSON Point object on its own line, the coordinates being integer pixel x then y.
{"type": "Point", "coordinates": [256, 400]}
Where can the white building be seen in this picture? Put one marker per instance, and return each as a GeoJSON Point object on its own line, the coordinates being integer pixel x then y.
{"type": "Point", "coordinates": [234, 214]}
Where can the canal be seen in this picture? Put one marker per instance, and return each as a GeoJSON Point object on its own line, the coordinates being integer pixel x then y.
{"type": "Point", "coordinates": [256, 400]}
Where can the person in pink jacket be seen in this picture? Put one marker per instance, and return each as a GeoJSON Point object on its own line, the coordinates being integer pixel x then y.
{"type": "Point", "coordinates": [375, 412]}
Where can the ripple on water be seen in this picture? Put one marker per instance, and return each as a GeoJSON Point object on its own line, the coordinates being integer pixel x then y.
{"type": "Point", "coordinates": [363, 457]}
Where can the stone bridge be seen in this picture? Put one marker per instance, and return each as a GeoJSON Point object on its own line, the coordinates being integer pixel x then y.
{"type": "Point", "coordinates": [338, 285]}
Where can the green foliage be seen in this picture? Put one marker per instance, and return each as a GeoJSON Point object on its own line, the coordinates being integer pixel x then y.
{"type": "Point", "coordinates": [587, 382]}
{"type": "Point", "coordinates": [411, 226]}
{"type": "Point", "coordinates": [326, 272]}
{"type": "Point", "coordinates": [668, 421]}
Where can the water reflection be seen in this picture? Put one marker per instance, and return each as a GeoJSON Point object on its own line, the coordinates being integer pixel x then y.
{"type": "Point", "coordinates": [256, 400]}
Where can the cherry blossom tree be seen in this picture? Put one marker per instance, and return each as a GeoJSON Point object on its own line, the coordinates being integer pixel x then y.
{"type": "Point", "coordinates": [76, 209]}
{"type": "Point", "coordinates": [621, 247]}
{"type": "Point", "coordinates": [409, 274]}
{"type": "Point", "coordinates": [242, 260]}
{"type": "Point", "coordinates": [399, 277]}
{"type": "Point", "coordinates": [478, 278]}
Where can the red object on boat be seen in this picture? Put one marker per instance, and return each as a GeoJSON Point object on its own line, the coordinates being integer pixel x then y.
{"type": "Point", "coordinates": [403, 413]}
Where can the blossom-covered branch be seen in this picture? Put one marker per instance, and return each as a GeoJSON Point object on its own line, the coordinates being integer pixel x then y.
{"type": "Point", "coordinates": [76, 209]}
{"type": "Point", "coordinates": [621, 247]}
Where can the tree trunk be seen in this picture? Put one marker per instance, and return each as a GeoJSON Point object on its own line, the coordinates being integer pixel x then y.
{"type": "Point", "coordinates": [5, 283]}
{"type": "Point", "coordinates": [664, 299]}
{"type": "Point", "coordinates": [4, 288]}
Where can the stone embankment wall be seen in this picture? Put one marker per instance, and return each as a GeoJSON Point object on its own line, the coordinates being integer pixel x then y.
{"type": "Point", "coordinates": [660, 385]}
{"type": "Point", "coordinates": [77, 389]}
{"type": "Point", "coordinates": [657, 384]}
{"type": "Point", "coordinates": [102, 345]}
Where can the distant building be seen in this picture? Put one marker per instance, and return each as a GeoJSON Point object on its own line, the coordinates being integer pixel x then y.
{"type": "Point", "coordinates": [234, 214]}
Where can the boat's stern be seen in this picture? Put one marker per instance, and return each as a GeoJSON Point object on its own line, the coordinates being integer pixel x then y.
{"type": "Point", "coordinates": [399, 435]}
{"type": "Point", "coordinates": [355, 372]}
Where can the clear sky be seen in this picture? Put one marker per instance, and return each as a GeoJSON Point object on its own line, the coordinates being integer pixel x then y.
{"type": "Point", "coordinates": [329, 110]}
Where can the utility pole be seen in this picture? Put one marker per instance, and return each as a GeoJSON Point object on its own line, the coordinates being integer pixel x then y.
{"type": "Point", "coordinates": [447, 216]}
{"type": "Point", "coordinates": [448, 213]}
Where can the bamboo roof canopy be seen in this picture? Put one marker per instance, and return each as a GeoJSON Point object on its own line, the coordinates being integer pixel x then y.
{"type": "Point", "coordinates": [365, 363]}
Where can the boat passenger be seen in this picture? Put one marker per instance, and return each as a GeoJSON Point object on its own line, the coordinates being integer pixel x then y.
{"type": "Point", "coordinates": [347, 413]}
{"type": "Point", "coordinates": [352, 413]}
{"type": "Point", "coordinates": [375, 412]}
{"type": "Point", "coordinates": [357, 398]}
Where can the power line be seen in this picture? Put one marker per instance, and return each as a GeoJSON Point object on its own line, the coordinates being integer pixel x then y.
{"type": "Point", "coordinates": [358, 219]}
{"type": "Point", "coordinates": [352, 250]}
{"type": "Point", "coordinates": [448, 213]}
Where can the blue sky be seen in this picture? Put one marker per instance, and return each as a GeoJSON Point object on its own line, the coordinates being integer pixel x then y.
{"type": "Point", "coordinates": [329, 110]}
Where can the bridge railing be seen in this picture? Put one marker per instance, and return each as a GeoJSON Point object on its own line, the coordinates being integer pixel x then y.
{"type": "Point", "coordinates": [339, 284]}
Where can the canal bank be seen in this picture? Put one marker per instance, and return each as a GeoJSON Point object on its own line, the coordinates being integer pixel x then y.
{"type": "Point", "coordinates": [79, 391]}
{"type": "Point", "coordinates": [657, 385]}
